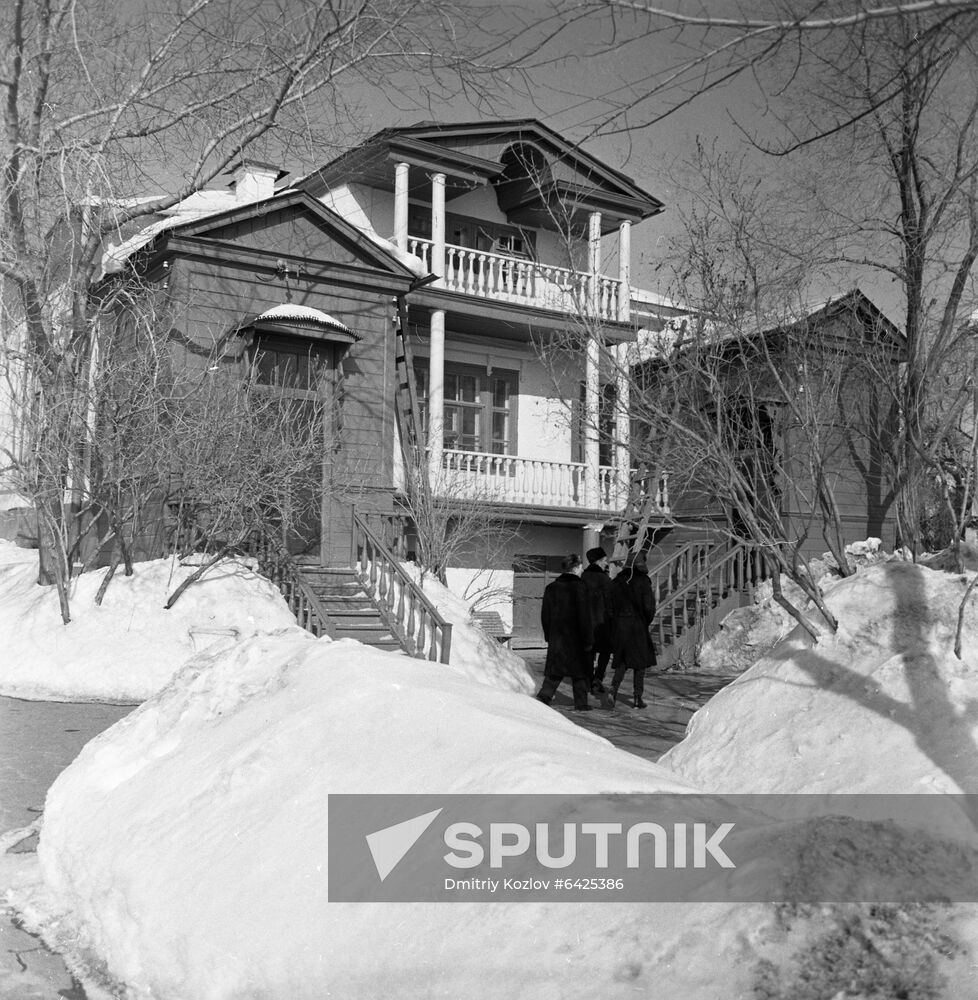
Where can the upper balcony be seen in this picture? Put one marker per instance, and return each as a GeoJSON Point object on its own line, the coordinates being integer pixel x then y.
{"type": "Point", "coordinates": [501, 278]}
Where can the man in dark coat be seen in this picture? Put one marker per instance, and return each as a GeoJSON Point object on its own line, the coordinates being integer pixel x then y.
{"type": "Point", "coordinates": [598, 585]}
{"type": "Point", "coordinates": [567, 629]}
{"type": "Point", "coordinates": [633, 608]}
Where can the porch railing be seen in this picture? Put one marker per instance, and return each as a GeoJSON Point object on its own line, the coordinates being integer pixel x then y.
{"type": "Point", "coordinates": [474, 475]}
{"type": "Point", "coordinates": [410, 614]}
{"type": "Point", "coordinates": [496, 276]}
{"type": "Point", "coordinates": [280, 567]}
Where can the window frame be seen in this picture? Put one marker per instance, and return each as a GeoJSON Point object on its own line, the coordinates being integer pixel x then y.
{"type": "Point", "coordinates": [297, 345]}
{"type": "Point", "coordinates": [485, 406]}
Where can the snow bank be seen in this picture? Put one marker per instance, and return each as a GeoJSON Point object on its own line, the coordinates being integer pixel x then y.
{"type": "Point", "coordinates": [883, 706]}
{"type": "Point", "coordinates": [750, 633]}
{"type": "Point", "coordinates": [185, 850]}
{"type": "Point", "coordinates": [475, 653]}
{"type": "Point", "coordinates": [130, 647]}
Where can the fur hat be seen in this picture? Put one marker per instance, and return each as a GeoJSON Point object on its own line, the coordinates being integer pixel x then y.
{"type": "Point", "coordinates": [593, 555]}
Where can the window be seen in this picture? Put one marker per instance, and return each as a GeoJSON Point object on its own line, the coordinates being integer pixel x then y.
{"type": "Point", "coordinates": [292, 363]}
{"type": "Point", "coordinates": [607, 420]}
{"type": "Point", "coordinates": [474, 234]}
{"type": "Point", "coordinates": [479, 413]}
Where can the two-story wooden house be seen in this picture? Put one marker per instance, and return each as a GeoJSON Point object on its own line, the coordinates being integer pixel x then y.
{"type": "Point", "coordinates": [477, 248]}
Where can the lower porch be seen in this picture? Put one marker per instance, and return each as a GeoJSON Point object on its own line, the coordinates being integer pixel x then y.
{"type": "Point", "coordinates": [536, 482]}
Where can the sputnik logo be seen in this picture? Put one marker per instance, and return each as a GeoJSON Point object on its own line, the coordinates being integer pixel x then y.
{"type": "Point", "coordinates": [388, 846]}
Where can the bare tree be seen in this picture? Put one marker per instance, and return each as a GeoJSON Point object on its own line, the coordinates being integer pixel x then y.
{"type": "Point", "coordinates": [101, 106]}
{"type": "Point", "coordinates": [771, 43]}
{"type": "Point", "coordinates": [457, 521]}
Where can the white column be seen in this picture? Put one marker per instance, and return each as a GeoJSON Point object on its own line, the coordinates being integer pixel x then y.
{"type": "Point", "coordinates": [436, 397]}
{"type": "Point", "coordinates": [438, 228]}
{"type": "Point", "coordinates": [401, 205]}
{"type": "Point", "coordinates": [594, 262]}
{"type": "Point", "coordinates": [624, 271]}
{"type": "Point", "coordinates": [591, 393]}
{"type": "Point", "coordinates": [591, 366]}
{"type": "Point", "coordinates": [623, 424]}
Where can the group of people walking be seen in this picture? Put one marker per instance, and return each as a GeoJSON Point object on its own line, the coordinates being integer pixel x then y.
{"type": "Point", "coordinates": [590, 620]}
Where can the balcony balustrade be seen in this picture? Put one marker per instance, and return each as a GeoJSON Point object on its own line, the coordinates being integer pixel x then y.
{"type": "Point", "coordinates": [513, 279]}
{"type": "Point", "coordinates": [469, 475]}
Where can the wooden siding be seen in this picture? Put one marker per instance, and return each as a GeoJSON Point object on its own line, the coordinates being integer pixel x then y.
{"type": "Point", "coordinates": [215, 298]}
{"type": "Point", "coordinates": [213, 292]}
{"type": "Point", "coordinates": [289, 232]}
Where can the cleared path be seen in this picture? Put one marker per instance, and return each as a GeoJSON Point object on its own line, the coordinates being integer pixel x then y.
{"type": "Point", "coordinates": [672, 699]}
{"type": "Point", "coordinates": [38, 739]}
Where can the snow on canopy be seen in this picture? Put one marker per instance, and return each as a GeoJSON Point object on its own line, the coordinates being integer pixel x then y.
{"type": "Point", "coordinates": [290, 312]}
{"type": "Point", "coordinates": [883, 706]}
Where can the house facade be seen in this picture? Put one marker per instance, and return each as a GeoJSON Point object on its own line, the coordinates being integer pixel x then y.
{"type": "Point", "coordinates": [498, 251]}
{"type": "Point", "coordinates": [455, 292]}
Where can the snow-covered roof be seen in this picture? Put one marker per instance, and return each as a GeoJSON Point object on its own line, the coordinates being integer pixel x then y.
{"type": "Point", "coordinates": [202, 204]}
{"type": "Point", "coordinates": [289, 312]}
{"type": "Point", "coordinates": [198, 206]}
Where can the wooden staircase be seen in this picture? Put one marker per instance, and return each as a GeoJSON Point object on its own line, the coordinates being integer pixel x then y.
{"type": "Point", "coordinates": [695, 588]}
{"type": "Point", "coordinates": [374, 599]}
{"type": "Point", "coordinates": [353, 614]}
{"type": "Point", "coordinates": [700, 575]}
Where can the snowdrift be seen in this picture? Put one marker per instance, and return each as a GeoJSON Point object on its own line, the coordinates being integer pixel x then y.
{"type": "Point", "coordinates": [883, 706]}
{"type": "Point", "coordinates": [185, 849]}
{"type": "Point", "coordinates": [475, 653]}
{"type": "Point", "coordinates": [130, 647]}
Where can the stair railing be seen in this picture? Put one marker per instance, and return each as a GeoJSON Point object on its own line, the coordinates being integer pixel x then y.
{"type": "Point", "coordinates": [678, 568]}
{"type": "Point", "coordinates": [738, 569]}
{"type": "Point", "coordinates": [409, 612]}
{"type": "Point", "coordinates": [279, 566]}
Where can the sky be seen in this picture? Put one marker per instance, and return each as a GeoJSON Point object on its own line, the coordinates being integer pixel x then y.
{"type": "Point", "coordinates": [592, 68]}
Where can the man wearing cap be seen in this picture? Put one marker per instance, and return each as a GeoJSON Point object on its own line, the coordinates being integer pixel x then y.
{"type": "Point", "coordinates": [598, 585]}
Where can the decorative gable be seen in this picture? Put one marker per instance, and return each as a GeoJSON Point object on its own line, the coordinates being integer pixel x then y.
{"type": "Point", "coordinates": [293, 226]}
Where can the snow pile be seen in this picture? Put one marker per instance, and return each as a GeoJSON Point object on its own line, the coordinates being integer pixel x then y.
{"type": "Point", "coordinates": [746, 634]}
{"type": "Point", "coordinates": [474, 653]}
{"type": "Point", "coordinates": [130, 647]}
{"type": "Point", "coordinates": [749, 633]}
{"type": "Point", "coordinates": [882, 706]}
{"type": "Point", "coordinates": [185, 849]}
{"type": "Point", "coordinates": [184, 853]}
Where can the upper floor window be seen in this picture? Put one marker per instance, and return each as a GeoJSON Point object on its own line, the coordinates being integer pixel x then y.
{"type": "Point", "coordinates": [475, 234]}
{"type": "Point", "coordinates": [479, 413]}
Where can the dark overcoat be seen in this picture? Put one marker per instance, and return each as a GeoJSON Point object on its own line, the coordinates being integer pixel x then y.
{"type": "Point", "coordinates": [598, 585]}
{"type": "Point", "coordinates": [633, 608]}
{"type": "Point", "coordinates": [566, 627]}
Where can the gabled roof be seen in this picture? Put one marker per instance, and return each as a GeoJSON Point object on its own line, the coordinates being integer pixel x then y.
{"type": "Point", "coordinates": [199, 223]}
{"type": "Point", "coordinates": [852, 303]}
{"type": "Point", "coordinates": [464, 151]}
{"type": "Point", "coordinates": [805, 316]}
